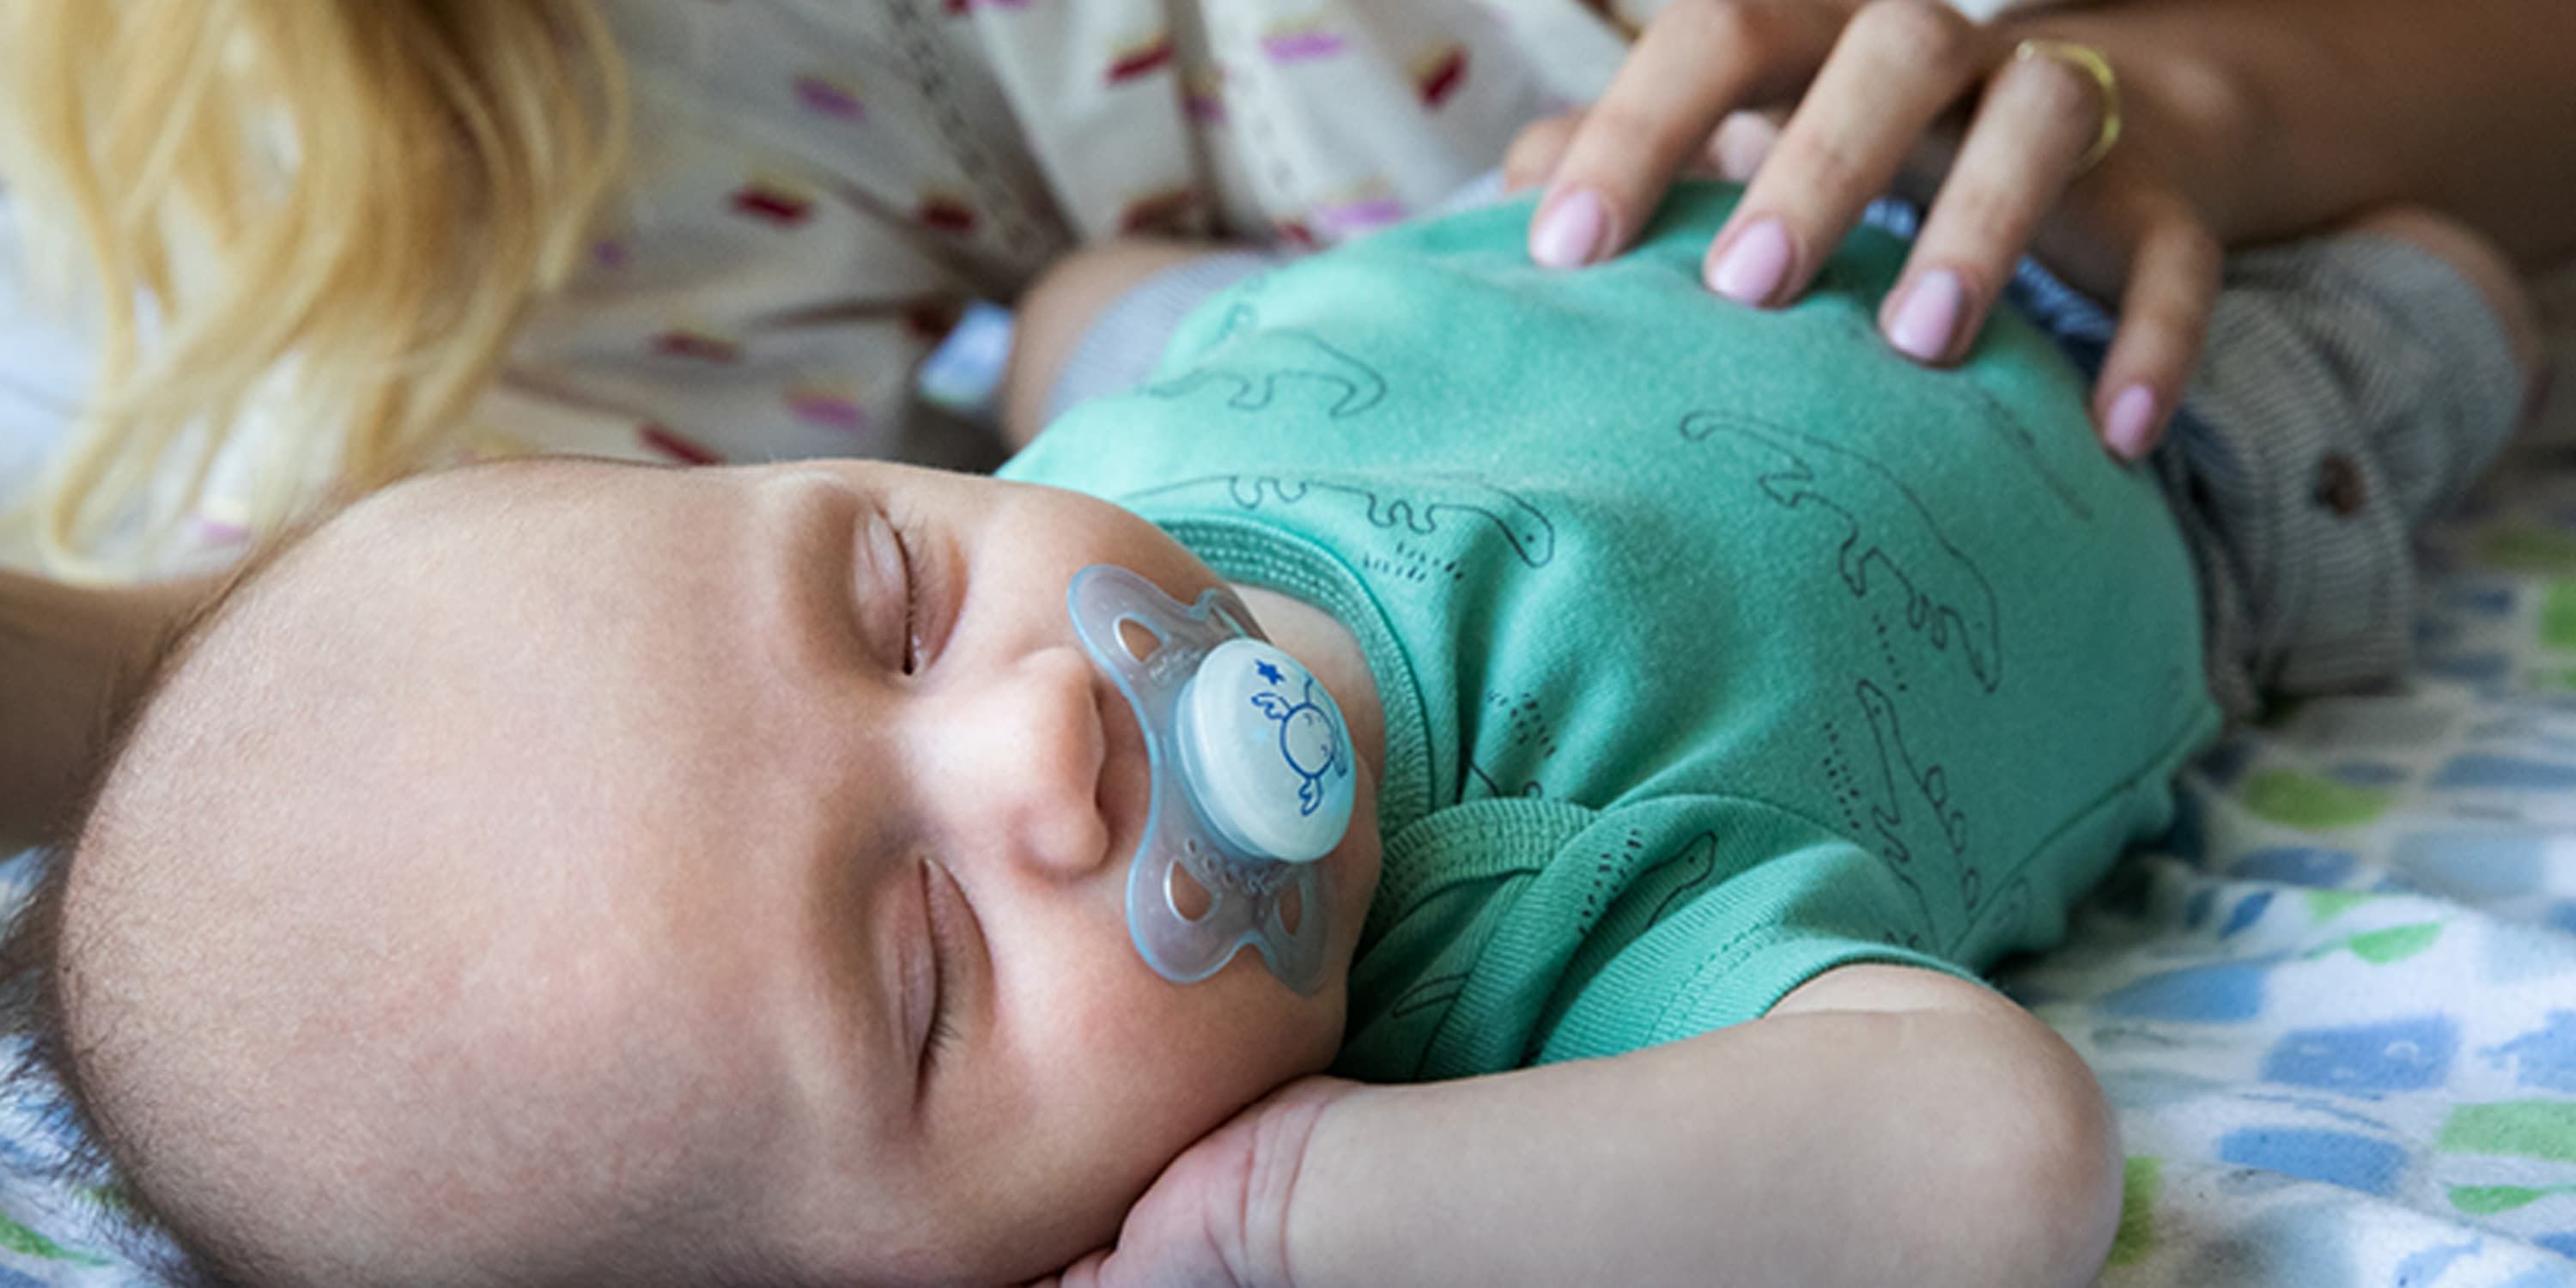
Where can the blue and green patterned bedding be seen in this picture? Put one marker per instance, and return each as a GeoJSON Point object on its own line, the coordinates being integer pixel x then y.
{"type": "Point", "coordinates": [2336, 1007]}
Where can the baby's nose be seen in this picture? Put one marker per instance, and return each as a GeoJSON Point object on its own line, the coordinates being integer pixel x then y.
{"type": "Point", "coordinates": [1021, 763]}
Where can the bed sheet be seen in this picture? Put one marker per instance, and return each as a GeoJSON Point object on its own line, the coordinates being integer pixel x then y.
{"type": "Point", "coordinates": [2335, 1008]}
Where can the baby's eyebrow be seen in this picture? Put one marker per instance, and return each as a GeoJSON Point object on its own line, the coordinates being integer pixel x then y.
{"type": "Point", "coordinates": [150, 671]}
{"type": "Point", "coordinates": [551, 461]}
{"type": "Point", "coordinates": [140, 679]}
{"type": "Point", "coordinates": [271, 551]}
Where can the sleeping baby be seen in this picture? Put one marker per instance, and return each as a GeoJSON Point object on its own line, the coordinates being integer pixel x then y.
{"type": "Point", "coordinates": [1469, 774]}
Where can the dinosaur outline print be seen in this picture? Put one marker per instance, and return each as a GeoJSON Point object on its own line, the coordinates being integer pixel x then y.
{"type": "Point", "coordinates": [1947, 596]}
{"type": "Point", "coordinates": [1899, 770]}
{"type": "Point", "coordinates": [1526, 527]}
{"type": "Point", "coordinates": [1256, 360]}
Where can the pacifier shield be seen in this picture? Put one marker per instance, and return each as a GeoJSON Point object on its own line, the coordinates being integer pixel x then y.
{"type": "Point", "coordinates": [1251, 770]}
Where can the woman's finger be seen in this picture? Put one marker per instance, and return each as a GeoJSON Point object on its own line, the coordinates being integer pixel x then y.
{"type": "Point", "coordinates": [1899, 65]}
{"type": "Point", "coordinates": [1537, 149]}
{"type": "Point", "coordinates": [2164, 317]}
{"type": "Point", "coordinates": [1743, 141]}
{"type": "Point", "coordinates": [2038, 118]}
{"type": "Point", "coordinates": [1697, 61]}
{"type": "Point", "coordinates": [1733, 153]}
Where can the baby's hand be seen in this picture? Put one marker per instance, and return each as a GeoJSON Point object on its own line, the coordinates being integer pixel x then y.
{"type": "Point", "coordinates": [1871, 81]}
{"type": "Point", "coordinates": [1218, 1215]}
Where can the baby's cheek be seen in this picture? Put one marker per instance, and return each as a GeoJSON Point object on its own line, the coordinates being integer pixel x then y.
{"type": "Point", "coordinates": [1175, 1060]}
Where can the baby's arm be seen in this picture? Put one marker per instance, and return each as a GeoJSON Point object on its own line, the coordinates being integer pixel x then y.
{"type": "Point", "coordinates": [1882, 1124]}
{"type": "Point", "coordinates": [1057, 311]}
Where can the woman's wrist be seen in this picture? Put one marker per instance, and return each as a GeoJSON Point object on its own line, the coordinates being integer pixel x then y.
{"type": "Point", "coordinates": [2285, 116]}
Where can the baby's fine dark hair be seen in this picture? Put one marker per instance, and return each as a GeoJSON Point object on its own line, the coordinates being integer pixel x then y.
{"type": "Point", "coordinates": [44, 1076]}
{"type": "Point", "coordinates": [41, 1072]}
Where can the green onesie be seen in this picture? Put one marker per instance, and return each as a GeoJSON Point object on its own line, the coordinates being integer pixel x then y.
{"type": "Point", "coordinates": [1717, 648]}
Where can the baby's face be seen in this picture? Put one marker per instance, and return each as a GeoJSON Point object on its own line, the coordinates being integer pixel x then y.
{"type": "Point", "coordinates": [732, 857]}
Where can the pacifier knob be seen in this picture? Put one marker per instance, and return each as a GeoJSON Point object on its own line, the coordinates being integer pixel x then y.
{"type": "Point", "coordinates": [1266, 749]}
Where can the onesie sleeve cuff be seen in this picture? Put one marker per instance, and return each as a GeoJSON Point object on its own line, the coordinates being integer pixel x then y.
{"type": "Point", "coordinates": [1119, 350]}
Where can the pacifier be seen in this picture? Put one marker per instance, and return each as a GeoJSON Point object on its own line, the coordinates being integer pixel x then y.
{"type": "Point", "coordinates": [1251, 778]}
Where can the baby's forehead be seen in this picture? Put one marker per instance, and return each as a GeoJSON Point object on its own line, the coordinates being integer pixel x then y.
{"type": "Point", "coordinates": [310, 570]}
{"type": "Point", "coordinates": [430, 548]}
{"type": "Point", "coordinates": [332, 933]}
{"type": "Point", "coordinates": [341, 712]}
{"type": "Point", "coordinates": [404, 679]}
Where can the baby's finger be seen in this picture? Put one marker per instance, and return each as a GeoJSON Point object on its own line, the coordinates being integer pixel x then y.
{"type": "Point", "coordinates": [1899, 64]}
{"type": "Point", "coordinates": [2037, 120]}
{"type": "Point", "coordinates": [1697, 60]}
{"type": "Point", "coordinates": [2164, 317]}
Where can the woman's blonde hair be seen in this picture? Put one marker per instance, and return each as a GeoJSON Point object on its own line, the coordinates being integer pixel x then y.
{"type": "Point", "coordinates": [335, 210]}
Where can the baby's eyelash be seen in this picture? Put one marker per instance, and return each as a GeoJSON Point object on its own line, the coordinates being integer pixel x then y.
{"type": "Point", "coordinates": [943, 1021]}
{"type": "Point", "coordinates": [943, 1031]}
{"type": "Point", "coordinates": [911, 605]}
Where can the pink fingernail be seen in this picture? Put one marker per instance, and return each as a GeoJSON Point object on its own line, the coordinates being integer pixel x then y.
{"type": "Point", "coordinates": [2132, 414]}
{"type": "Point", "coordinates": [1744, 139]}
{"type": "Point", "coordinates": [1753, 268]}
{"type": "Point", "coordinates": [1924, 323]}
{"type": "Point", "coordinates": [1569, 234]}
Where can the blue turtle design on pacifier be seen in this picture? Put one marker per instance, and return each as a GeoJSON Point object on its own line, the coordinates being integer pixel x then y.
{"type": "Point", "coordinates": [1251, 770]}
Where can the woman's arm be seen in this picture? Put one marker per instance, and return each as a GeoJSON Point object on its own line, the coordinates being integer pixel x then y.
{"type": "Point", "coordinates": [2337, 106]}
{"type": "Point", "coordinates": [63, 649]}
{"type": "Point", "coordinates": [1882, 1125]}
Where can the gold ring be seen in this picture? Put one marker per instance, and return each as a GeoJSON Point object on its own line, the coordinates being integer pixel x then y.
{"type": "Point", "coordinates": [2091, 62]}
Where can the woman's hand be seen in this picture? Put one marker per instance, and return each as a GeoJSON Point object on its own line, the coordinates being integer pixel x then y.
{"type": "Point", "coordinates": [1879, 79]}
{"type": "Point", "coordinates": [1218, 1215]}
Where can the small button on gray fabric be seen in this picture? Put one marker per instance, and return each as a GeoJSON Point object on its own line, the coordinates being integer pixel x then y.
{"type": "Point", "coordinates": [2340, 487]}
